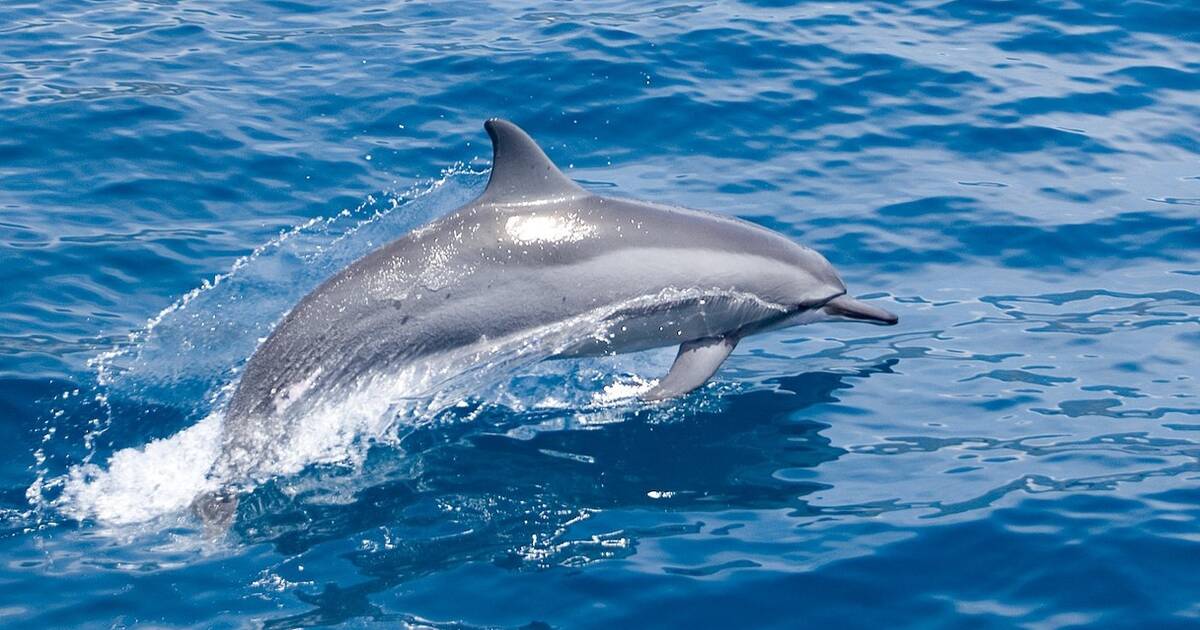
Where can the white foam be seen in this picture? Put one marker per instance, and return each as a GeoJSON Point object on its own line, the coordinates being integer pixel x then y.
{"type": "Point", "coordinates": [623, 390]}
{"type": "Point", "coordinates": [139, 484]}
{"type": "Point", "coordinates": [164, 476]}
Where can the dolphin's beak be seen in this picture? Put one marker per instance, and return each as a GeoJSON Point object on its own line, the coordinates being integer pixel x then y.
{"type": "Point", "coordinates": [847, 307]}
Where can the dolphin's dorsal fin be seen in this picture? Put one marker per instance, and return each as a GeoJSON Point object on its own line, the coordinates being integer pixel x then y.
{"type": "Point", "coordinates": [520, 170]}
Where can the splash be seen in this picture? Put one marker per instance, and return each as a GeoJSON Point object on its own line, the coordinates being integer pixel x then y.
{"type": "Point", "coordinates": [187, 357]}
{"type": "Point", "coordinates": [142, 483]}
{"type": "Point", "coordinates": [198, 342]}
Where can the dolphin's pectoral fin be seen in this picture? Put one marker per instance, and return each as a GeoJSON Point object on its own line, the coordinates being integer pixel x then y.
{"type": "Point", "coordinates": [696, 362]}
{"type": "Point", "coordinates": [216, 511]}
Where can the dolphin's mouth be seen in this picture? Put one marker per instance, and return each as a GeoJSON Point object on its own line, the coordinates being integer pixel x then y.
{"type": "Point", "coordinates": [849, 308]}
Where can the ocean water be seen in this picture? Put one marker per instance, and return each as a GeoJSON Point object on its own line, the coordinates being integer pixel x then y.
{"type": "Point", "coordinates": [1018, 181]}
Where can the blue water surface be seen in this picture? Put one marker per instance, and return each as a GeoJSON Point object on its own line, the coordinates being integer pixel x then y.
{"type": "Point", "coordinates": [1018, 181]}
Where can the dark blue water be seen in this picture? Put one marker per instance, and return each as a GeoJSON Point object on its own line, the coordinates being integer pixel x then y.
{"type": "Point", "coordinates": [1020, 182]}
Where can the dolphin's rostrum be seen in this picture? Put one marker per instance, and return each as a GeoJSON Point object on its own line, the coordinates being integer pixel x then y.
{"type": "Point", "coordinates": [533, 250]}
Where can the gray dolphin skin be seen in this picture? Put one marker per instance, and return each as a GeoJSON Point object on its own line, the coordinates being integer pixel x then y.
{"type": "Point", "coordinates": [535, 249]}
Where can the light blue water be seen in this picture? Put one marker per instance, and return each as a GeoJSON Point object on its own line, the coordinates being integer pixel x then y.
{"type": "Point", "coordinates": [1019, 181]}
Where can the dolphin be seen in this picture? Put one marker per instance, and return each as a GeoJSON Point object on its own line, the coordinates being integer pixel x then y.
{"type": "Point", "coordinates": [533, 250]}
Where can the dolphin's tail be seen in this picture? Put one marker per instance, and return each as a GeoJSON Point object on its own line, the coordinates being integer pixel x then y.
{"type": "Point", "coordinates": [847, 307]}
{"type": "Point", "coordinates": [216, 510]}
